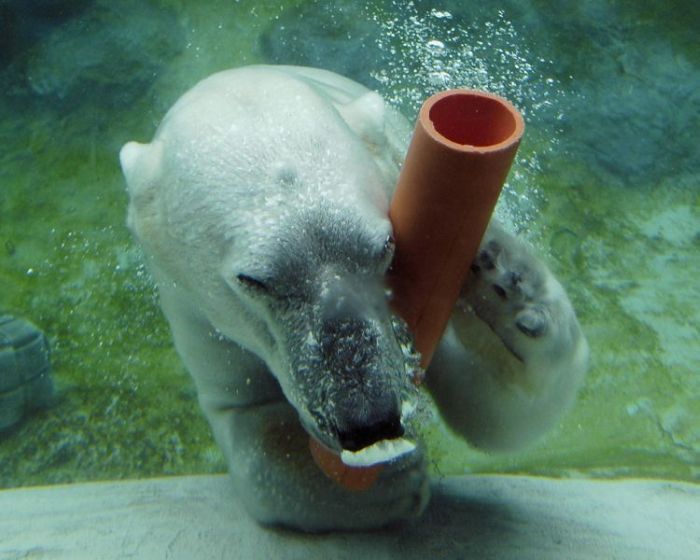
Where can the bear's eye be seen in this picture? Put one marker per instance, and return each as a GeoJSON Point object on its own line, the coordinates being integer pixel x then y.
{"type": "Point", "coordinates": [389, 246]}
{"type": "Point", "coordinates": [387, 252]}
{"type": "Point", "coordinates": [253, 283]}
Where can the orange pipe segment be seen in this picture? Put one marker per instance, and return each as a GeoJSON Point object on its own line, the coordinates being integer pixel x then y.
{"type": "Point", "coordinates": [355, 479]}
{"type": "Point", "coordinates": [462, 149]}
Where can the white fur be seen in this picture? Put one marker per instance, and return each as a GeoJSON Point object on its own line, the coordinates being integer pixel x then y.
{"type": "Point", "coordinates": [261, 204]}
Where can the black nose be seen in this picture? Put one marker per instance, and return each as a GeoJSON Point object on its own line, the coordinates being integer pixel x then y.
{"type": "Point", "coordinates": [357, 437]}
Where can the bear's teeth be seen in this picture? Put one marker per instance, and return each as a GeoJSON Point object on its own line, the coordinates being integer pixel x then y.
{"type": "Point", "coordinates": [379, 452]}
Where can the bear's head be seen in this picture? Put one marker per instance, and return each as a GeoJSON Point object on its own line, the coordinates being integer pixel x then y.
{"type": "Point", "coordinates": [263, 201]}
{"type": "Point", "coordinates": [314, 287]}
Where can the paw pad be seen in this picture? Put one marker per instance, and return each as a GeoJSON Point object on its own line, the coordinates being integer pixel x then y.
{"type": "Point", "coordinates": [500, 291]}
{"type": "Point", "coordinates": [531, 322]}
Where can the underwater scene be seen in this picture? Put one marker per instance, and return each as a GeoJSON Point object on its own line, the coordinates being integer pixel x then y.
{"type": "Point", "coordinates": [606, 186]}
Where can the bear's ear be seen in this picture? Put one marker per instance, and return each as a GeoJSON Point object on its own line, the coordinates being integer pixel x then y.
{"type": "Point", "coordinates": [365, 116]}
{"type": "Point", "coordinates": [140, 165]}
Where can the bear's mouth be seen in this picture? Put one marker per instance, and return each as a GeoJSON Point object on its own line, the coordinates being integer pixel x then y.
{"type": "Point", "coordinates": [369, 452]}
{"type": "Point", "coordinates": [379, 452]}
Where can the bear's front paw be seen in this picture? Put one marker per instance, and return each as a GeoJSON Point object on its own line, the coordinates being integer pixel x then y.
{"type": "Point", "coordinates": [515, 354]}
{"type": "Point", "coordinates": [508, 290]}
{"type": "Point", "coordinates": [517, 285]}
{"type": "Point", "coordinates": [511, 294]}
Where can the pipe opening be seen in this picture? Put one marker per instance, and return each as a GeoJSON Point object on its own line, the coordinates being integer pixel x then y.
{"type": "Point", "coordinates": [472, 119]}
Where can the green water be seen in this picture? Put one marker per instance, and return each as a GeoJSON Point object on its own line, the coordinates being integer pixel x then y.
{"type": "Point", "coordinates": [625, 244]}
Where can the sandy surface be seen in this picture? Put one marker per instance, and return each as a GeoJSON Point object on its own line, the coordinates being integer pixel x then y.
{"type": "Point", "coordinates": [469, 517]}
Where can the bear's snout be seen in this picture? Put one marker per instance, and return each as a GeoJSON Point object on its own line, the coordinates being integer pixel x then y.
{"type": "Point", "coordinates": [359, 352]}
{"type": "Point", "coordinates": [366, 401]}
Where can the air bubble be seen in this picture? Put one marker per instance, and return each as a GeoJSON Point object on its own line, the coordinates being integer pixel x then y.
{"type": "Point", "coordinates": [440, 14]}
{"type": "Point", "coordinates": [439, 78]}
{"type": "Point", "coordinates": [435, 46]}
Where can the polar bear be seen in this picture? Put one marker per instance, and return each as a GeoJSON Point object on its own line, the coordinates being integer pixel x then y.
{"type": "Point", "coordinates": [262, 208]}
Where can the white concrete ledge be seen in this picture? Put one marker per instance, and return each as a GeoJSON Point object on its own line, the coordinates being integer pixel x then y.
{"type": "Point", "coordinates": [469, 517]}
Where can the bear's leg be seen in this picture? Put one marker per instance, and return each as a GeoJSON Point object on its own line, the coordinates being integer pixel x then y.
{"type": "Point", "coordinates": [514, 355]}
{"type": "Point", "coordinates": [266, 448]}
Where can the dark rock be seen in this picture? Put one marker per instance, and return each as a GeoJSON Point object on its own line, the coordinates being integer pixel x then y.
{"type": "Point", "coordinates": [47, 9]}
{"type": "Point", "coordinates": [25, 370]}
{"type": "Point", "coordinates": [23, 22]}
{"type": "Point", "coordinates": [106, 58]}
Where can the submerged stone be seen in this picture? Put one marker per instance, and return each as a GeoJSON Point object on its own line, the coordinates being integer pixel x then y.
{"type": "Point", "coordinates": [107, 57]}
{"type": "Point", "coordinates": [25, 370]}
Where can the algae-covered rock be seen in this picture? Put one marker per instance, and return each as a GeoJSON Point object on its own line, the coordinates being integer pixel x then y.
{"type": "Point", "coordinates": [25, 370]}
{"type": "Point", "coordinates": [24, 22]}
{"type": "Point", "coordinates": [632, 75]}
{"type": "Point", "coordinates": [48, 9]}
{"type": "Point", "coordinates": [107, 57]}
{"type": "Point", "coordinates": [640, 125]}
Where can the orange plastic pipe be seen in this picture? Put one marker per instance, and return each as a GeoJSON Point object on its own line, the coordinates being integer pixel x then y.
{"type": "Point", "coordinates": [462, 149]}
{"type": "Point", "coordinates": [355, 479]}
